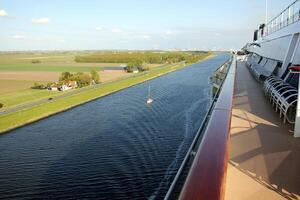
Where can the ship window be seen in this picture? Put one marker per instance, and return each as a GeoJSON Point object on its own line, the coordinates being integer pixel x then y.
{"type": "Point", "coordinates": [279, 65]}
{"type": "Point", "coordinates": [276, 71]}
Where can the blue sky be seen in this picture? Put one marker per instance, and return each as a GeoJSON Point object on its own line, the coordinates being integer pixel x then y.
{"type": "Point", "coordinates": [131, 24]}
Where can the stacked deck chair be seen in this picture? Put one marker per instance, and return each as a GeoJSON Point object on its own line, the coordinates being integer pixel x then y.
{"type": "Point", "coordinates": [264, 70]}
{"type": "Point", "coordinates": [283, 95]}
{"type": "Point", "coordinates": [252, 59]}
{"type": "Point", "coordinates": [260, 64]}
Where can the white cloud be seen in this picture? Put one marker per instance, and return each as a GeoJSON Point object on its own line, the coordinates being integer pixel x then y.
{"type": "Point", "coordinates": [43, 20]}
{"type": "Point", "coordinates": [61, 40]}
{"type": "Point", "coordinates": [99, 28]}
{"type": "Point", "coordinates": [171, 32]}
{"type": "Point", "coordinates": [3, 13]}
{"type": "Point", "coordinates": [116, 30]}
{"type": "Point", "coordinates": [165, 37]}
{"type": "Point", "coordinates": [146, 36]}
{"type": "Point", "coordinates": [18, 37]}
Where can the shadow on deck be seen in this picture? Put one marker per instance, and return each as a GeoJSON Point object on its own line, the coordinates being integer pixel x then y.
{"type": "Point", "coordinates": [264, 158]}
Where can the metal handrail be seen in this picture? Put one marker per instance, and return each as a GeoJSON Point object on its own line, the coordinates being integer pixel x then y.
{"type": "Point", "coordinates": [199, 131]}
{"type": "Point", "coordinates": [288, 16]}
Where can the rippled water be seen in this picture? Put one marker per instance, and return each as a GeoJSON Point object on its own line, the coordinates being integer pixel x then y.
{"type": "Point", "coordinates": [116, 147]}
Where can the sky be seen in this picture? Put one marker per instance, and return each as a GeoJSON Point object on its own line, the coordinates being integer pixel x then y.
{"type": "Point", "coordinates": [131, 24]}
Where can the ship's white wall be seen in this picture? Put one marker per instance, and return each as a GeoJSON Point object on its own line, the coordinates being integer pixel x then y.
{"type": "Point", "coordinates": [276, 44]}
{"type": "Point", "coordinates": [275, 49]}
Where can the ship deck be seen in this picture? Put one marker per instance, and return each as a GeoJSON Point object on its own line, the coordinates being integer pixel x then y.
{"type": "Point", "coordinates": [264, 157]}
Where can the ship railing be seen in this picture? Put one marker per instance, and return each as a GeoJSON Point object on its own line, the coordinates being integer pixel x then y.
{"type": "Point", "coordinates": [207, 156]}
{"type": "Point", "coordinates": [288, 16]}
{"type": "Point", "coordinates": [220, 74]}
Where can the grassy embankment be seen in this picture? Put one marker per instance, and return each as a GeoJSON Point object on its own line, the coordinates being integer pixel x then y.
{"type": "Point", "coordinates": [22, 117]}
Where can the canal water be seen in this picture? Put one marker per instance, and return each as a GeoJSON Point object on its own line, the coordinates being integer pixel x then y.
{"type": "Point", "coordinates": [116, 147]}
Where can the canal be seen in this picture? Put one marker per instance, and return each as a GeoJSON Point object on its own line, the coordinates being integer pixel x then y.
{"type": "Point", "coordinates": [116, 147]}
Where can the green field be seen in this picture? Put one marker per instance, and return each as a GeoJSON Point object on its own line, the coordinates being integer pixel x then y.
{"type": "Point", "coordinates": [46, 68]}
{"type": "Point", "coordinates": [48, 63]}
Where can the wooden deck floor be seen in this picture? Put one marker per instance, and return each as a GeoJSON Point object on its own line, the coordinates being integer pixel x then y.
{"type": "Point", "coordinates": [264, 159]}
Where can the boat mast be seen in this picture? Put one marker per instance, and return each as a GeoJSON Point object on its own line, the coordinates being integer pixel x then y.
{"type": "Point", "coordinates": [149, 91]}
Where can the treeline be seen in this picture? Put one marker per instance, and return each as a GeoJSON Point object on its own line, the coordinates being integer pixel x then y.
{"type": "Point", "coordinates": [144, 57]}
{"type": "Point", "coordinates": [82, 79]}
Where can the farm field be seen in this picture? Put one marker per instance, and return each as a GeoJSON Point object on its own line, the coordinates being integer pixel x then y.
{"type": "Point", "coordinates": [47, 63]}
{"type": "Point", "coordinates": [17, 72]}
{"type": "Point", "coordinates": [9, 86]}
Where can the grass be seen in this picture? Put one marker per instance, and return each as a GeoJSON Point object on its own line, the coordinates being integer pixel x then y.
{"type": "Point", "coordinates": [23, 96]}
{"type": "Point", "coordinates": [45, 68]}
{"type": "Point", "coordinates": [49, 63]}
{"type": "Point", "coordinates": [22, 117]}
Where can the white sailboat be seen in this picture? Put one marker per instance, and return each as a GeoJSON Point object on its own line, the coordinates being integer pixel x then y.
{"type": "Point", "coordinates": [149, 100]}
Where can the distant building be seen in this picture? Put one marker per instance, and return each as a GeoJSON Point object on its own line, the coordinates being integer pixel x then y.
{"type": "Point", "coordinates": [67, 86]}
{"type": "Point", "coordinates": [54, 88]}
{"type": "Point", "coordinates": [72, 84]}
{"type": "Point", "coordinates": [64, 88]}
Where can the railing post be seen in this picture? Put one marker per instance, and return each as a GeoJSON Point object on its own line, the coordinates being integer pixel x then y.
{"type": "Point", "coordinates": [297, 121]}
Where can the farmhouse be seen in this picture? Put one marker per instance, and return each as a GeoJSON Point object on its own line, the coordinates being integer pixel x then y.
{"type": "Point", "coordinates": [67, 86]}
{"type": "Point", "coordinates": [72, 84]}
{"type": "Point", "coordinates": [64, 88]}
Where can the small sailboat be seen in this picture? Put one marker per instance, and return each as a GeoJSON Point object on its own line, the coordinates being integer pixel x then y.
{"type": "Point", "coordinates": [149, 100]}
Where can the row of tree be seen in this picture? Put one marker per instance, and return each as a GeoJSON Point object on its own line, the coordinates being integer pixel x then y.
{"type": "Point", "coordinates": [81, 78]}
{"type": "Point", "coordinates": [144, 57]}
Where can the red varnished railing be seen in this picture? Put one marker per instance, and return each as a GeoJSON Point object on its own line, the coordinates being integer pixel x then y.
{"type": "Point", "coordinates": [206, 179]}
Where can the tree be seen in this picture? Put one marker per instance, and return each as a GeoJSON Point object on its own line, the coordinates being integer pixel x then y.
{"type": "Point", "coordinates": [143, 67]}
{"type": "Point", "coordinates": [35, 61]}
{"type": "Point", "coordinates": [95, 76]}
{"type": "Point", "coordinates": [65, 76]}
{"type": "Point", "coordinates": [38, 86]}
{"type": "Point", "coordinates": [130, 67]}
{"type": "Point", "coordinates": [136, 64]}
{"type": "Point", "coordinates": [82, 79]}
